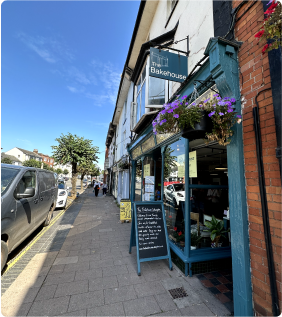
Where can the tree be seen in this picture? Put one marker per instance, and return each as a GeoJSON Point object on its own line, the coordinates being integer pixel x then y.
{"type": "Point", "coordinates": [32, 163]}
{"type": "Point", "coordinates": [6, 160]}
{"type": "Point", "coordinates": [65, 172]}
{"type": "Point", "coordinates": [169, 162]}
{"type": "Point", "coordinates": [74, 150]}
{"type": "Point", "coordinates": [59, 171]}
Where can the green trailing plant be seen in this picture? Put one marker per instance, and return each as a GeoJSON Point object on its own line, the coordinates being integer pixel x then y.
{"type": "Point", "coordinates": [32, 163]}
{"type": "Point", "coordinates": [216, 229]}
{"type": "Point", "coordinates": [179, 115]}
{"type": "Point", "coordinates": [195, 238]}
{"type": "Point", "coordinates": [271, 28]}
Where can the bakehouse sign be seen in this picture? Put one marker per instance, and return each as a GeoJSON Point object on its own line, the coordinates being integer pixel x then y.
{"type": "Point", "coordinates": [167, 65]}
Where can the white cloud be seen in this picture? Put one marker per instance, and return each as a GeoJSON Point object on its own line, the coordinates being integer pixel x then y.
{"type": "Point", "coordinates": [49, 49]}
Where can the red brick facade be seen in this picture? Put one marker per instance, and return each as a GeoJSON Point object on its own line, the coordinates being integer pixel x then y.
{"type": "Point", "coordinates": [254, 77]}
{"type": "Point", "coordinates": [45, 158]}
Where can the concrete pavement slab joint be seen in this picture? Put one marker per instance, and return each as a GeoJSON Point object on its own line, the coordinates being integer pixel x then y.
{"type": "Point", "coordinates": [66, 260]}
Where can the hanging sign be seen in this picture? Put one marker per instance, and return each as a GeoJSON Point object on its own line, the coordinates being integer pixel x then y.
{"type": "Point", "coordinates": [149, 233]}
{"type": "Point", "coordinates": [166, 65]}
{"type": "Point", "coordinates": [193, 164]}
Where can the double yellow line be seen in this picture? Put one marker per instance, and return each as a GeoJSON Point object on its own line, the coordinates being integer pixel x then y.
{"type": "Point", "coordinates": [23, 252]}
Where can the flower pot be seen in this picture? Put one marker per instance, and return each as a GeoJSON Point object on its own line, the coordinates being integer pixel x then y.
{"type": "Point", "coordinates": [200, 129]}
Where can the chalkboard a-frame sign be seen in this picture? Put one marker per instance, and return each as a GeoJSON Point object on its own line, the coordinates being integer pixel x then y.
{"type": "Point", "coordinates": [149, 233]}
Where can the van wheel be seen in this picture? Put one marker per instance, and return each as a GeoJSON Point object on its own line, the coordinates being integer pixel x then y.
{"type": "Point", "coordinates": [49, 217]}
{"type": "Point", "coordinates": [4, 254]}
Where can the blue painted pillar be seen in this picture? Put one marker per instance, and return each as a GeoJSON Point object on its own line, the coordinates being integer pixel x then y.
{"type": "Point", "coordinates": [224, 70]}
{"type": "Point", "coordinates": [133, 175]}
{"type": "Point", "coordinates": [163, 159]}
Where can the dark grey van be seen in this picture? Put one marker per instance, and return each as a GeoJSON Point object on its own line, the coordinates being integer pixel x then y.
{"type": "Point", "coordinates": [28, 198]}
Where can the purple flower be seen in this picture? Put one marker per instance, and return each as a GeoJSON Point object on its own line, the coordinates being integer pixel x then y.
{"type": "Point", "coordinates": [186, 103]}
{"type": "Point", "coordinates": [221, 103]}
{"type": "Point", "coordinates": [170, 111]}
{"type": "Point", "coordinates": [226, 98]}
{"type": "Point", "coordinates": [211, 114]}
{"type": "Point", "coordinates": [177, 96]}
{"type": "Point", "coordinates": [176, 116]}
{"type": "Point", "coordinates": [163, 111]}
{"type": "Point", "coordinates": [184, 97]}
{"type": "Point", "coordinates": [214, 105]}
{"type": "Point", "coordinates": [200, 105]}
{"type": "Point", "coordinates": [218, 98]}
{"type": "Point", "coordinates": [238, 116]}
{"type": "Point", "coordinates": [229, 110]}
{"type": "Point", "coordinates": [155, 133]}
{"type": "Point", "coordinates": [221, 113]}
{"type": "Point", "coordinates": [215, 95]}
{"type": "Point", "coordinates": [233, 100]}
{"type": "Point", "coordinates": [207, 100]}
{"type": "Point", "coordinates": [154, 124]}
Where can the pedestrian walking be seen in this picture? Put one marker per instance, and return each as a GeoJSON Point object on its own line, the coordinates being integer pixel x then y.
{"type": "Point", "coordinates": [96, 188]}
{"type": "Point", "coordinates": [105, 187]}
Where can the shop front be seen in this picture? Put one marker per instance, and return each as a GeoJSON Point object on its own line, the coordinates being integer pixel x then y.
{"type": "Point", "coordinates": [199, 182]}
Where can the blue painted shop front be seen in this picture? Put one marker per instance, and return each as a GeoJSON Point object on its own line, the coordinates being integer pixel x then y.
{"type": "Point", "coordinates": [162, 161]}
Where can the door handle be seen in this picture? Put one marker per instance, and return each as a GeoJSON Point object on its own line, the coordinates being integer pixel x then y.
{"type": "Point", "coordinates": [35, 201]}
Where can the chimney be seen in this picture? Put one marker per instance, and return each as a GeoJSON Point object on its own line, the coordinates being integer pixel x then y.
{"type": "Point", "coordinates": [35, 151]}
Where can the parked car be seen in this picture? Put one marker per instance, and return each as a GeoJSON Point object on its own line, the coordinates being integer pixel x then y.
{"type": "Point", "coordinates": [28, 198]}
{"type": "Point", "coordinates": [174, 193]}
{"type": "Point", "coordinates": [66, 178]}
{"type": "Point", "coordinates": [63, 192]}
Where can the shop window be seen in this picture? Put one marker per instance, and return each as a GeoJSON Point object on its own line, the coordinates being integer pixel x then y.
{"type": "Point", "coordinates": [138, 180]}
{"type": "Point", "coordinates": [174, 191]}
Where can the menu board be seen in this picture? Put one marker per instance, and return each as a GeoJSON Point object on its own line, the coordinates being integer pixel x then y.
{"type": "Point", "coordinates": [151, 236]}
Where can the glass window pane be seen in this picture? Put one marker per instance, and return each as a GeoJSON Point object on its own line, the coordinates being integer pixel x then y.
{"type": "Point", "coordinates": [148, 144]}
{"type": "Point", "coordinates": [138, 180]}
{"type": "Point", "coordinates": [174, 191]}
{"type": "Point", "coordinates": [143, 98]}
{"type": "Point", "coordinates": [139, 84]}
{"type": "Point", "coordinates": [148, 180]}
{"type": "Point", "coordinates": [138, 107]}
{"type": "Point", "coordinates": [156, 91]}
{"type": "Point", "coordinates": [210, 167]}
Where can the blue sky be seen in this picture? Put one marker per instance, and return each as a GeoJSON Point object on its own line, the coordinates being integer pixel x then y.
{"type": "Point", "coordinates": [60, 69]}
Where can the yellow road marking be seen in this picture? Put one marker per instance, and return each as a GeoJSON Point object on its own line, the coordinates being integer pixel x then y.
{"type": "Point", "coordinates": [11, 264]}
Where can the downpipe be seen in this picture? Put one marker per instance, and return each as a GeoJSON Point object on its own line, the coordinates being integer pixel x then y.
{"type": "Point", "coordinates": [264, 207]}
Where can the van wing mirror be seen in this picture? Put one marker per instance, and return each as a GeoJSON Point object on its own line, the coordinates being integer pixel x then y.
{"type": "Point", "coordinates": [29, 192]}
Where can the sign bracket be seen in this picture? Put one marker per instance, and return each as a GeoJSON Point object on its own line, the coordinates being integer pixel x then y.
{"type": "Point", "coordinates": [160, 46]}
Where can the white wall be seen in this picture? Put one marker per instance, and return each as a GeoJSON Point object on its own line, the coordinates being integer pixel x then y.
{"type": "Point", "coordinates": [195, 19]}
{"type": "Point", "coordinates": [17, 153]}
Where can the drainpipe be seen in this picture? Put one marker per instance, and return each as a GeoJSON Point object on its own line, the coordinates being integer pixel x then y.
{"type": "Point", "coordinates": [264, 208]}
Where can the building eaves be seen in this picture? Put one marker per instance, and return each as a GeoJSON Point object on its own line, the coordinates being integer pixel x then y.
{"type": "Point", "coordinates": [11, 157]}
{"type": "Point", "coordinates": [29, 152]}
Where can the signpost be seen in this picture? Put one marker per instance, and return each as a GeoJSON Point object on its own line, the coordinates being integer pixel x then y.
{"type": "Point", "coordinates": [149, 233]}
{"type": "Point", "coordinates": [166, 65]}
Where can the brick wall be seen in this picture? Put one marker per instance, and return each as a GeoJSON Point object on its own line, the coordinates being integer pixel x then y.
{"type": "Point", "coordinates": [255, 76]}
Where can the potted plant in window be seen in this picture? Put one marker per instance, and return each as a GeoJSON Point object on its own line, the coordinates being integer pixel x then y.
{"type": "Point", "coordinates": [216, 230]}
{"type": "Point", "coordinates": [180, 116]}
{"type": "Point", "coordinates": [195, 239]}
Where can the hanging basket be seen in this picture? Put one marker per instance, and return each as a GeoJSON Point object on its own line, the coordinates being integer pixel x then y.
{"type": "Point", "coordinates": [200, 129]}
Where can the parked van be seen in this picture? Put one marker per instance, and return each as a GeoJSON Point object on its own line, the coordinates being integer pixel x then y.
{"type": "Point", "coordinates": [28, 198]}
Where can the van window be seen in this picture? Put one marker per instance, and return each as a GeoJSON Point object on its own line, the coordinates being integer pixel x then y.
{"type": "Point", "coordinates": [7, 177]}
{"type": "Point", "coordinates": [28, 180]}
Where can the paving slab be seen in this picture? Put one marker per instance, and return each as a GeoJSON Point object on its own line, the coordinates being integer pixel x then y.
{"type": "Point", "coordinates": [196, 310]}
{"type": "Point", "coordinates": [59, 278]}
{"type": "Point", "coordinates": [16, 310]}
{"type": "Point", "coordinates": [72, 288]}
{"type": "Point", "coordinates": [141, 307]}
{"type": "Point", "coordinates": [50, 307]}
{"type": "Point", "coordinates": [119, 294]}
{"type": "Point", "coordinates": [66, 260]}
{"type": "Point", "coordinates": [46, 292]}
{"type": "Point", "coordinates": [114, 270]}
{"type": "Point", "coordinates": [103, 283]}
{"type": "Point", "coordinates": [107, 310]}
{"type": "Point", "coordinates": [149, 288]}
{"type": "Point", "coordinates": [86, 300]}
{"type": "Point", "coordinates": [130, 279]}
{"type": "Point", "coordinates": [165, 302]}
{"type": "Point", "coordinates": [88, 274]}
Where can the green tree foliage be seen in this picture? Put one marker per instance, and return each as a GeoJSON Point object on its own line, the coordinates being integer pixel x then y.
{"type": "Point", "coordinates": [59, 171]}
{"type": "Point", "coordinates": [32, 163]}
{"type": "Point", "coordinates": [169, 162]}
{"type": "Point", "coordinates": [74, 150]}
{"type": "Point", "coordinates": [65, 172]}
{"type": "Point", "coordinates": [6, 160]}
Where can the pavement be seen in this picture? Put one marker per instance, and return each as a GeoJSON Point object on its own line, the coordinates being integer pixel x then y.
{"type": "Point", "coordinates": [88, 271]}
